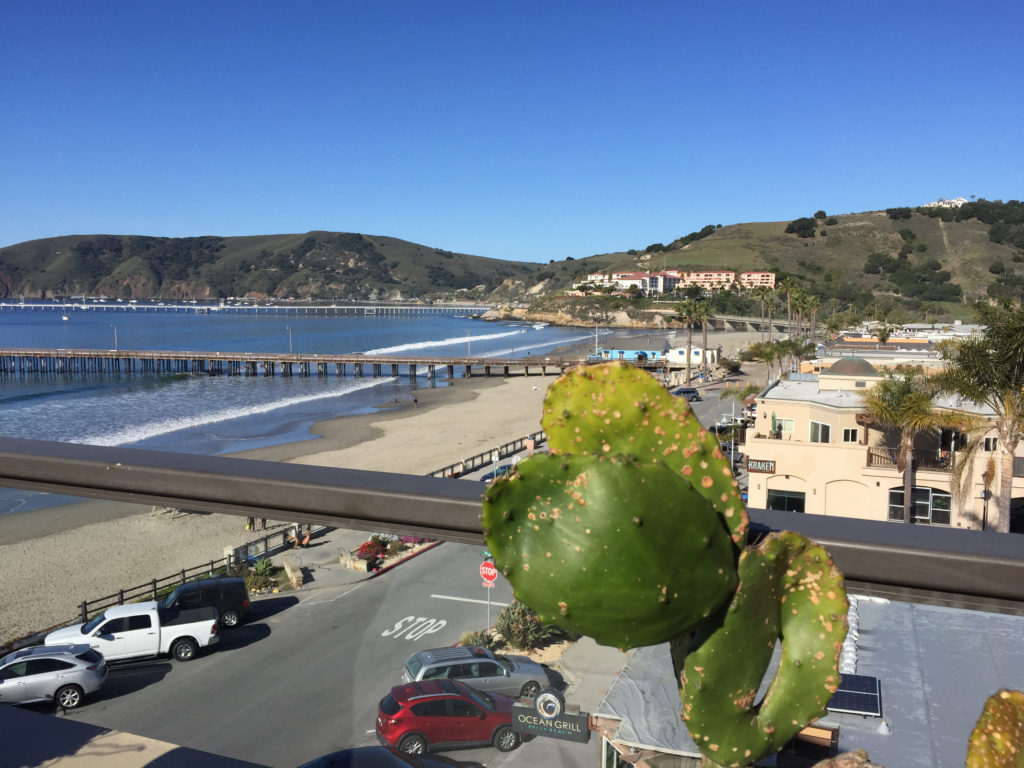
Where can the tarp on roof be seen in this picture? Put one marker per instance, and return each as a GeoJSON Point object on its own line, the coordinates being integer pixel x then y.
{"type": "Point", "coordinates": [645, 698]}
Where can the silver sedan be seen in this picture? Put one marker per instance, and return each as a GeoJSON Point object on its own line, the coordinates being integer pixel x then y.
{"type": "Point", "coordinates": [63, 674]}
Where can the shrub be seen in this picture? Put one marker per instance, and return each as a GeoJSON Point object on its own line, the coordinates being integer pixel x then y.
{"type": "Point", "coordinates": [414, 540]}
{"type": "Point", "coordinates": [371, 550]}
{"type": "Point", "coordinates": [803, 227]}
{"type": "Point", "coordinates": [519, 625]}
{"type": "Point", "coordinates": [730, 365]}
{"type": "Point", "coordinates": [480, 637]}
{"type": "Point", "coordinates": [395, 547]}
{"type": "Point", "coordinates": [261, 575]}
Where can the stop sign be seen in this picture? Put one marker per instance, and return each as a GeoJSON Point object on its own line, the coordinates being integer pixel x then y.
{"type": "Point", "coordinates": [488, 571]}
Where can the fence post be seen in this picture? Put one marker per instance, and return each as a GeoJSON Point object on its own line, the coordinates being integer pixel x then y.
{"type": "Point", "coordinates": [85, 612]}
{"type": "Point", "coordinates": [182, 575]}
{"type": "Point", "coordinates": [154, 589]}
{"type": "Point", "coordinates": [211, 568]}
{"type": "Point", "coordinates": [120, 597]}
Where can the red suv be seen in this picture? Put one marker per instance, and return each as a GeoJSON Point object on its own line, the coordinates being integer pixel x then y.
{"type": "Point", "coordinates": [416, 717]}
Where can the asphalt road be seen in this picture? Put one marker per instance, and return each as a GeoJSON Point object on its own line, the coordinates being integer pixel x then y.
{"type": "Point", "coordinates": [305, 675]}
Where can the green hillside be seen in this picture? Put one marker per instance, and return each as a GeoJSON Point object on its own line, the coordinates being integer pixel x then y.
{"type": "Point", "coordinates": [855, 260]}
{"type": "Point", "coordinates": [314, 266]}
{"type": "Point", "coordinates": [921, 261]}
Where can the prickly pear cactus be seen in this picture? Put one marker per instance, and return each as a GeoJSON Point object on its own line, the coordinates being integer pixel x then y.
{"type": "Point", "coordinates": [632, 532]}
{"type": "Point", "coordinates": [789, 588]}
{"type": "Point", "coordinates": [629, 554]}
{"type": "Point", "coordinates": [998, 739]}
{"type": "Point", "coordinates": [616, 408]}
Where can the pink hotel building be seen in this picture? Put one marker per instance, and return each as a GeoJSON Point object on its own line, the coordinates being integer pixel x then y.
{"type": "Point", "coordinates": [668, 280]}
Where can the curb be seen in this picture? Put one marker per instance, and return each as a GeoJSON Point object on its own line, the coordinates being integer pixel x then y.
{"type": "Point", "coordinates": [410, 556]}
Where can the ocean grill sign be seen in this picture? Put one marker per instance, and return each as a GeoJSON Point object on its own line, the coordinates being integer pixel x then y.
{"type": "Point", "coordinates": [566, 727]}
{"type": "Point", "coordinates": [563, 725]}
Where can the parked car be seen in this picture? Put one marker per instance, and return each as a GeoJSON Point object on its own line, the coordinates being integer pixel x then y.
{"type": "Point", "coordinates": [63, 674]}
{"type": "Point", "coordinates": [142, 630]}
{"type": "Point", "coordinates": [378, 757]}
{"type": "Point", "coordinates": [689, 393]}
{"type": "Point", "coordinates": [228, 595]}
{"type": "Point", "coordinates": [503, 471]}
{"type": "Point", "coordinates": [485, 670]}
{"type": "Point", "coordinates": [436, 714]}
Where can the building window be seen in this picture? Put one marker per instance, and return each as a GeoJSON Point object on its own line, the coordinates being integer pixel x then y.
{"type": "Point", "coordinates": [820, 433]}
{"type": "Point", "coordinates": [787, 501]}
{"type": "Point", "coordinates": [928, 506]}
{"type": "Point", "coordinates": [991, 443]}
{"type": "Point", "coordinates": [860, 384]}
{"type": "Point", "coordinates": [782, 427]}
{"type": "Point", "coordinates": [850, 435]}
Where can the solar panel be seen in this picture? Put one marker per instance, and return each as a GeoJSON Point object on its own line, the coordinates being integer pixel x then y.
{"type": "Point", "coordinates": [858, 695]}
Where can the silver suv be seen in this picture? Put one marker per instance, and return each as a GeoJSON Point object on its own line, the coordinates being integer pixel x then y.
{"type": "Point", "coordinates": [63, 674]}
{"type": "Point", "coordinates": [480, 668]}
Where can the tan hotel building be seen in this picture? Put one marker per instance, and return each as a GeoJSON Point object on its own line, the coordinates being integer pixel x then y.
{"type": "Point", "coordinates": [812, 450]}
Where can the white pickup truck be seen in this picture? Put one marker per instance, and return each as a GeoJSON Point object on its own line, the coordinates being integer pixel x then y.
{"type": "Point", "coordinates": [143, 630]}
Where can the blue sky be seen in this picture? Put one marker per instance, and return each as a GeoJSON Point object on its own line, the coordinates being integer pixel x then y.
{"type": "Point", "coordinates": [517, 130]}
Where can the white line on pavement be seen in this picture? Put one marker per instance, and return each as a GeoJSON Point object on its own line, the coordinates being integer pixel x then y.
{"type": "Point", "coordinates": [468, 600]}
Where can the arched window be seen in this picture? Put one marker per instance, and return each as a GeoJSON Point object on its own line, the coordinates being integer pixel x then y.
{"type": "Point", "coordinates": [928, 506]}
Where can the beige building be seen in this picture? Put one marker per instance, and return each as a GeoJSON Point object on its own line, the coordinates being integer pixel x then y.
{"type": "Point", "coordinates": [812, 450]}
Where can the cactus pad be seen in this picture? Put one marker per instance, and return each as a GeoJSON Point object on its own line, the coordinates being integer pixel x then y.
{"type": "Point", "coordinates": [789, 589]}
{"type": "Point", "coordinates": [614, 408]}
{"type": "Point", "coordinates": [998, 739]}
{"type": "Point", "coordinates": [630, 554]}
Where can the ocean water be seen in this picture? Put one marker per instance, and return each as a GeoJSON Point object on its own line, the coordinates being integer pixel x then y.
{"type": "Point", "coordinates": [212, 415]}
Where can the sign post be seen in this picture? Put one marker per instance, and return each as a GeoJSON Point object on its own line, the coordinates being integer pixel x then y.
{"type": "Point", "coordinates": [489, 573]}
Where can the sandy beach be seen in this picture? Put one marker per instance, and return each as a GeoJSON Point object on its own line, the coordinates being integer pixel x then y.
{"type": "Point", "coordinates": [55, 558]}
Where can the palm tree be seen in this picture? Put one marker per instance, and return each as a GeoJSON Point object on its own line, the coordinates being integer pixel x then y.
{"type": "Point", "coordinates": [704, 314]}
{"type": "Point", "coordinates": [903, 401]}
{"type": "Point", "coordinates": [687, 309]}
{"type": "Point", "coordinates": [834, 324]}
{"type": "Point", "coordinates": [793, 351]}
{"type": "Point", "coordinates": [762, 292]}
{"type": "Point", "coordinates": [788, 286]}
{"type": "Point", "coordinates": [989, 369]}
{"type": "Point", "coordinates": [812, 304]}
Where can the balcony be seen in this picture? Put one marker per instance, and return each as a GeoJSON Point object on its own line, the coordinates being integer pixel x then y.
{"type": "Point", "coordinates": [928, 461]}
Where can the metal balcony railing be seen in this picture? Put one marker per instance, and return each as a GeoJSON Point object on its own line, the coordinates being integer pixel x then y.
{"type": "Point", "coordinates": [974, 569]}
{"type": "Point", "coordinates": [885, 458]}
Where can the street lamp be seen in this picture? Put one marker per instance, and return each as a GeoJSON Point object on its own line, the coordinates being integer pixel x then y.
{"type": "Point", "coordinates": [114, 326]}
{"type": "Point", "coordinates": [288, 328]}
{"type": "Point", "coordinates": [469, 342]}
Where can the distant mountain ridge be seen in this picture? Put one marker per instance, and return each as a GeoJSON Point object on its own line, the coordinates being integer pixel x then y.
{"type": "Point", "coordinates": [314, 265]}
{"type": "Point", "coordinates": [908, 255]}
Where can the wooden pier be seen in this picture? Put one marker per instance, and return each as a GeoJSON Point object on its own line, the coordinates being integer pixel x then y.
{"type": "Point", "coordinates": [71, 362]}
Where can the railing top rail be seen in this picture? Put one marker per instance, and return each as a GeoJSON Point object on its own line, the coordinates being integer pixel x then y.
{"type": "Point", "coordinates": [890, 555]}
